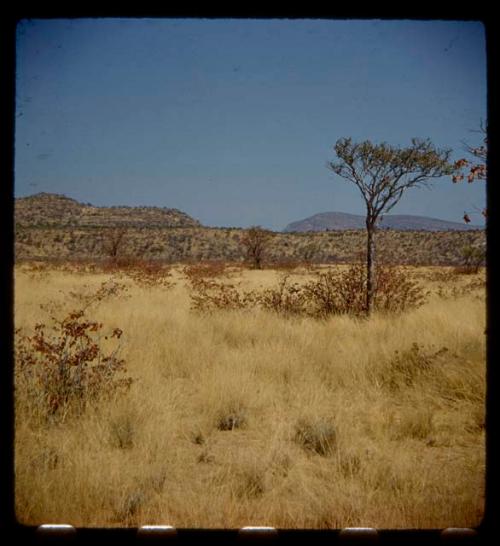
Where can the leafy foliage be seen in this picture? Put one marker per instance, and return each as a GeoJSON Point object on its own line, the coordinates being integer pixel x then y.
{"type": "Point", "coordinates": [342, 292]}
{"type": "Point", "coordinates": [473, 257]}
{"type": "Point", "coordinates": [255, 241]}
{"type": "Point", "coordinates": [145, 273]}
{"type": "Point", "coordinates": [383, 173]}
{"type": "Point", "coordinates": [204, 270]}
{"type": "Point", "coordinates": [62, 367]}
{"type": "Point", "coordinates": [475, 168]}
{"type": "Point", "coordinates": [336, 292]}
{"type": "Point", "coordinates": [330, 293]}
{"type": "Point", "coordinates": [285, 299]}
{"type": "Point", "coordinates": [207, 295]}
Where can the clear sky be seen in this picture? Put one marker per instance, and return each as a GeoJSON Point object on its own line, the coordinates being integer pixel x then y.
{"type": "Point", "coordinates": [233, 121]}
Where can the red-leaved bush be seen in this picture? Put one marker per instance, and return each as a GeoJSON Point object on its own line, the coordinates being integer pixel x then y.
{"type": "Point", "coordinates": [62, 367]}
{"type": "Point", "coordinates": [331, 293]}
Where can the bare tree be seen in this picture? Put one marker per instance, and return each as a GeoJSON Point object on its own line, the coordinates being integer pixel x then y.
{"type": "Point", "coordinates": [382, 174]}
{"type": "Point", "coordinates": [255, 241]}
{"type": "Point", "coordinates": [114, 241]}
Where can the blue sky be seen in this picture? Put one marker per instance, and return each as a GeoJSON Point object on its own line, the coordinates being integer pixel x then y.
{"type": "Point", "coordinates": [233, 121]}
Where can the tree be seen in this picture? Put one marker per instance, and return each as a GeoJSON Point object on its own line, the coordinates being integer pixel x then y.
{"type": "Point", "coordinates": [113, 242]}
{"type": "Point", "coordinates": [382, 173]}
{"type": "Point", "coordinates": [473, 257]}
{"type": "Point", "coordinates": [309, 252]}
{"type": "Point", "coordinates": [255, 240]}
{"type": "Point", "coordinates": [474, 169]}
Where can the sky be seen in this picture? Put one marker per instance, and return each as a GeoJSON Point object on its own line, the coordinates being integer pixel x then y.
{"type": "Point", "coordinates": [234, 121]}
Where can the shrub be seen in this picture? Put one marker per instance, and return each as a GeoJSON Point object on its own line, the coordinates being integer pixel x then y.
{"type": "Point", "coordinates": [285, 265]}
{"type": "Point", "coordinates": [396, 291]}
{"type": "Point", "coordinates": [452, 292]}
{"type": "Point", "coordinates": [340, 292]}
{"type": "Point", "coordinates": [143, 272]}
{"type": "Point", "coordinates": [204, 270]}
{"type": "Point", "coordinates": [286, 299]}
{"type": "Point", "coordinates": [406, 367]}
{"type": "Point", "coordinates": [336, 292]}
{"type": "Point", "coordinates": [150, 274]}
{"type": "Point", "coordinates": [309, 252]}
{"type": "Point", "coordinates": [86, 297]}
{"type": "Point", "coordinates": [472, 258]}
{"type": "Point", "coordinates": [318, 436]}
{"type": "Point", "coordinates": [207, 295]}
{"type": "Point", "coordinates": [62, 367]}
{"type": "Point", "coordinates": [330, 293]}
{"type": "Point", "coordinates": [37, 270]}
{"type": "Point", "coordinates": [83, 299]}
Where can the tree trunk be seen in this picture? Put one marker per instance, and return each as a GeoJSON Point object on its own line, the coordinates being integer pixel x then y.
{"type": "Point", "coordinates": [370, 266]}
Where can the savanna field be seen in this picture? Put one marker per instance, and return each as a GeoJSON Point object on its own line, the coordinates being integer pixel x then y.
{"type": "Point", "coordinates": [189, 404]}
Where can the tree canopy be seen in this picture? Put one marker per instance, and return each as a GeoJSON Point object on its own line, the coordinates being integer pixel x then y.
{"type": "Point", "coordinates": [383, 173]}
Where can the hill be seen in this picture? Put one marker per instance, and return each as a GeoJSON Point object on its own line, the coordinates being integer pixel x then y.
{"type": "Point", "coordinates": [328, 221]}
{"type": "Point", "coordinates": [55, 210]}
{"type": "Point", "coordinates": [56, 227]}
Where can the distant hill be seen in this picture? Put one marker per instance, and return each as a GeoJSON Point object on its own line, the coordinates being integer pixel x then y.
{"type": "Point", "coordinates": [55, 227]}
{"type": "Point", "coordinates": [334, 221]}
{"type": "Point", "coordinates": [55, 210]}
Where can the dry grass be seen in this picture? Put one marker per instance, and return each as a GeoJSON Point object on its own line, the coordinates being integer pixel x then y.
{"type": "Point", "coordinates": [248, 418]}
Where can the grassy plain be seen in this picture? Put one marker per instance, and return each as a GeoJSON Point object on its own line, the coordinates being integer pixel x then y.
{"type": "Point", "coordinates": [223, 424]}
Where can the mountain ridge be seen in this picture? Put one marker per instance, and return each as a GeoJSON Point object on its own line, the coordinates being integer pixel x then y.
{"type": "Point", "coordinates": [339, 221]}
{"type": "Point", "coordinates": [54, 209]}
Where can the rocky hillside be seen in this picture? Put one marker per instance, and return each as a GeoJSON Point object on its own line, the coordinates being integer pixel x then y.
{"type": "Point", "coordinates": [328, 221]}
{"type": "Point", "coordinates": [202, 243]}
{"type": "Point", "coordinates": [54, 210]}
{"type": "Point", "coordinates": [55, 227]}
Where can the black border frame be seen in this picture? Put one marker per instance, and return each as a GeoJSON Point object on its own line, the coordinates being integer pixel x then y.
{"type": "Point", "coordinates": [11, 529]}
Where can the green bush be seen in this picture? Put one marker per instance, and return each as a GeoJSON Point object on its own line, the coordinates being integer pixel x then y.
{"type": "Point", "coordinates": [472, 258]}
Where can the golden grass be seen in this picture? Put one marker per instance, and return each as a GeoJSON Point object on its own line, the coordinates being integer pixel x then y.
{"type": "Point", "coordinates": [409, 426]}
